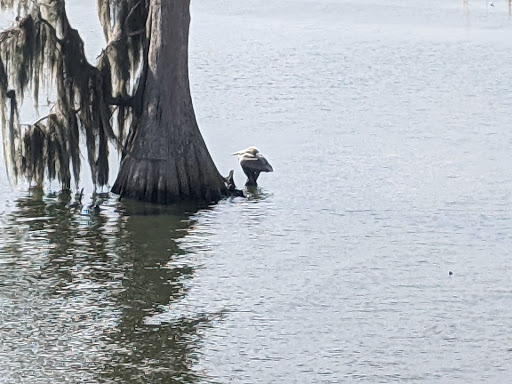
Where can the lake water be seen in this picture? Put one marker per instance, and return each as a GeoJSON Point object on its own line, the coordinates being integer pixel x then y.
{"type": "Point", "coordinates": [388, 126]}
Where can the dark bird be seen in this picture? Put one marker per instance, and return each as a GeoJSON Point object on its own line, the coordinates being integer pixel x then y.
{"type": "Point", "coordinates": [252, 163]}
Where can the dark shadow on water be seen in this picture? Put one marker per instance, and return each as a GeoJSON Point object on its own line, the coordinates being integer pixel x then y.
{"type": "Point", "coordinates": [78, 283]}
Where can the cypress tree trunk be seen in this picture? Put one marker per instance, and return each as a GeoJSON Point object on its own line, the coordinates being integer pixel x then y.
{"type": "Point", "coordinates": [167, 159]}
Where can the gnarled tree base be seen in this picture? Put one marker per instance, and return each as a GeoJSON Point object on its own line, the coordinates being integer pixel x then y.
{"type": "Point", "coordinates": [156, 182]}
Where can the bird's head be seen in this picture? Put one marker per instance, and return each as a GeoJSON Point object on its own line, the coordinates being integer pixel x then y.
{"type": "Point", "coordinates": [252, 150]}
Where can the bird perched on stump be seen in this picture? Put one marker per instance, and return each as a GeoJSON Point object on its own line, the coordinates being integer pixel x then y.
{"type": "Point", "coordinates": [252, 163]}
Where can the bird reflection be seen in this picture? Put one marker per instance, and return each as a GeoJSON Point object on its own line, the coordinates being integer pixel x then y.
{"type": "Point", "coordinates": [252, 163]}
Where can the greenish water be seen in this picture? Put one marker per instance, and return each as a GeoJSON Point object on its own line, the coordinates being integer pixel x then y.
{"type": "Point", "coordinates": [77, 286]}
{"type": "Point", "coordinates": [388, 127]}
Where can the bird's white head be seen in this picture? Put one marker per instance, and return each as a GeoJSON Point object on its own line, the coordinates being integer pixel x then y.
{"type": "Point", "coordinates": [252, 150]}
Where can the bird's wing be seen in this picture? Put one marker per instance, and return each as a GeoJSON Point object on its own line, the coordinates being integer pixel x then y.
{"type": "Point", "coordinates": [255, 163]}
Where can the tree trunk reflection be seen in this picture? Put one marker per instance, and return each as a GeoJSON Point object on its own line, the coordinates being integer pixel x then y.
{"type": "Point", "coordinates": [78, 285]}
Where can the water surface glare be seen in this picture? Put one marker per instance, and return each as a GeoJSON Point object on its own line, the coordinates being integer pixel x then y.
{"type": "Point", "coordinates": [387, 124]}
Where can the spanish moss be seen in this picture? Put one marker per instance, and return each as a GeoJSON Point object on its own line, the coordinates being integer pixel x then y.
{"type": "Point", "coordinates": [42, 52]}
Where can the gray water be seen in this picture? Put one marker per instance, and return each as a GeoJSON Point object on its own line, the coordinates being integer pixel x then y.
{"type": "Point", "coordinates": [388, 126]}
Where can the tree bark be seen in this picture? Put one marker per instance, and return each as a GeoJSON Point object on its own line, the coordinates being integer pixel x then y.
{"type": "Point", "coordinates": [167, 160]}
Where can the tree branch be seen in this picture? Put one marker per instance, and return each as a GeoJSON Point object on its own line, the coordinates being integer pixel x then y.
{"type": "Point", "coordinates": [119, 101]}
{"type": "Point", "coordinates": [19, 28]}
{"type": "Point", "coordinates": [49, 116]}
{"type": "Point", "coordinates": [4, 35]}
{"type": "Point", "coordinates": [136, 33]}
{"type": "Point", "coordinates": [130, 14]}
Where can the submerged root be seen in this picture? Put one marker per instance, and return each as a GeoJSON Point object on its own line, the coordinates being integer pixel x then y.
{"type": "Point", "coordinates": [231, 187]}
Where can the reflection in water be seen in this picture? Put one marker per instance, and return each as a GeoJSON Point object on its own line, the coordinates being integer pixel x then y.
{"type": "Point", "coordinates": [256, 193]}
{"type": "Point", "coordinates": [76, 288]}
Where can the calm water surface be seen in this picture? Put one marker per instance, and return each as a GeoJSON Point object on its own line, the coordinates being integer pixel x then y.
{"type": "Point", "coordinates": [388, 126]}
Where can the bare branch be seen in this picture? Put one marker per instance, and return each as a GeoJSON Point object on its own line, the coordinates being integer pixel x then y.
{"type": "Point", "coordinates": [136, 33]}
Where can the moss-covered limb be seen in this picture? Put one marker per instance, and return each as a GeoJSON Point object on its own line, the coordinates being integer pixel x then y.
{"type": "Point", "coordinates": [43, 42]}
{"type": "Point", "coordinates": [11, 138]}
{"type": "Point", "coordinates": [50, 147]}
{"type": "Point", "coordinates": [133, 16]}
{"type": "Point", "coordinates": [125, 17]}
{"type": "Point", "coordinates": [124, 46]}
{"type": "Point", "coordinates": [25, 49]}
{"type": "Point", "coordinates": [21, 6]}
{"type": "Point", "coordinates": [105, 15]}
{"type": "Point", "coordinates": [45, 150]}
{"type": "Point", "coordinates": [34, 47]}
